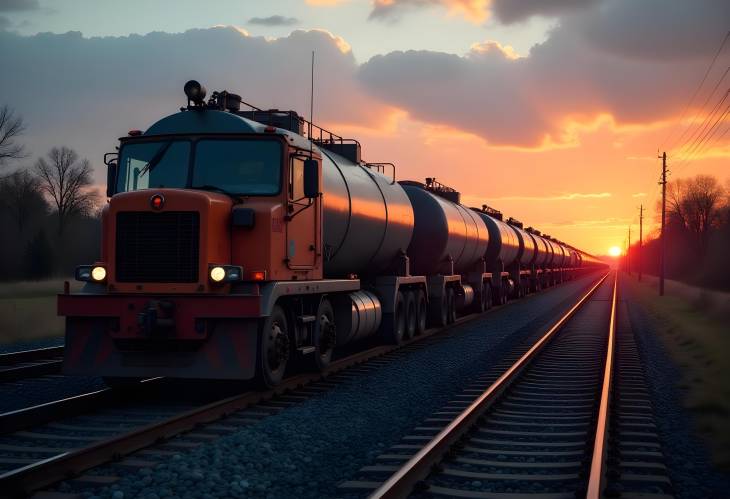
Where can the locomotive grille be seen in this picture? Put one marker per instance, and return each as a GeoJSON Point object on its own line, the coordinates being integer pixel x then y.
{"type": "Point", "coordinates": [157, 247]}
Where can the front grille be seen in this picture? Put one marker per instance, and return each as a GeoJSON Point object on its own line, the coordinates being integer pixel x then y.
{"type": "Point", "coordinates": [157, 247]}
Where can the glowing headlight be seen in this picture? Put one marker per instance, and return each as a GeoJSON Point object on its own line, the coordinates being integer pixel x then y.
{"type": "Point", "coordinates": [91, 273]}
{"type": "Point", "coordinates": [217, 274]}
{"type": "Point", "coordinates": [98, 273]}
{"type": "Point", "coordinates": [224, 273]}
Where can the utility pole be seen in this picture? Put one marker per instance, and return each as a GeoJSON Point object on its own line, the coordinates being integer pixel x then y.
{"type": "Point", "coordinates": [641, 235]}
{"type": "Point", "coordinates": [662, 264]}
{"type": "Point", "coordinates": [628, 253]}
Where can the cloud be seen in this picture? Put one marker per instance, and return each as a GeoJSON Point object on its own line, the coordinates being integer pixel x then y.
{"type": "Point", "coordinates": [391, 10]}
{"type": "Point", "coordinates": [512, 11]}
{"type": "Point", "coordinates": [63, 87]}
{"type": "Point", "coordinates": [274, 21]}
{"type": "Point", "coordinates": [4, 23]}
{"type": "Point", "coordinates": [639, 195]}
{"type": "Point", "coordinates": [18, 5]}
{"type": "Point", "coordinates": [590, 65]}
{"type": "Point", "coordinates": [562, 197]}
{"type": "Point", "coordinates": [325, 3]}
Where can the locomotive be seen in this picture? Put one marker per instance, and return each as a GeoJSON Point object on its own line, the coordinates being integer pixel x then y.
{"type": "Point", "coordinates": [237, 243]}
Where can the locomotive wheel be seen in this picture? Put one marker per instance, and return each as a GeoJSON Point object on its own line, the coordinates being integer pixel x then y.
{"type": "Point", "coordinates": [394, 324]}
{"type": "Point", "coordinates": [325, 335]}
{"type": "Point", "coordinates": [410, 318]}
{"type": "Point", "coordinates": [421, 312]}
{"type": "Point", "coordinates": [274, 349]}
{"type": "Point", "coordinates": [451, 301]}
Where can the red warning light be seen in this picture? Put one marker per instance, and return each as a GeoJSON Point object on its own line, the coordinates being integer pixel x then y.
{"type": "Point", "coordinates": [157, 201]}
{"type": "Point", "coordinates": [134, 133]}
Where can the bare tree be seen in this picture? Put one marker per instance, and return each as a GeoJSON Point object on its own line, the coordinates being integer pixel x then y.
{"type": "Point", "coordinates": [11, 127]}
{"type": "Point", "coordinates": [67, 182]}
{"type": "Point", "coordinates": [695, 205]}
{"type": "Point", "coordinates": [21, 196]}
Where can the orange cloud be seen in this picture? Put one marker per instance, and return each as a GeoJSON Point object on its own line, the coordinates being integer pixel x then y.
{"type": "Point", "coordinates": [475, 11]}
{"type": "Point", "coordinates": [325, 3]}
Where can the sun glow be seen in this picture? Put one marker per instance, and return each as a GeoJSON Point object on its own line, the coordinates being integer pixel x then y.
{"type": "Point", "coordinates": [614, 251]}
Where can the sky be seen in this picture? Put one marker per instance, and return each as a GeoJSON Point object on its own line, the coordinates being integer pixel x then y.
{"type": "Point", "coordinates": [552, 111]}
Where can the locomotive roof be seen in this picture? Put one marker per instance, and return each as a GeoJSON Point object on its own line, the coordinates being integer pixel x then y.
{"type": "Point", "coordinates": [215, 121]}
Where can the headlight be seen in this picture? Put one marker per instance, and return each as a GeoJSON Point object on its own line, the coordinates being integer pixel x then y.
{"type": "Point", "coordinates": [224, 273]}
{"type": "Point", "coordinates": [91, 273]}
{"type": "Point", "coordinates": [98, 273]}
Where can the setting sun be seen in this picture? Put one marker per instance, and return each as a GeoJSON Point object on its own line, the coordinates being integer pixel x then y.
{"type": "Point", "coordinates": [614, 251]}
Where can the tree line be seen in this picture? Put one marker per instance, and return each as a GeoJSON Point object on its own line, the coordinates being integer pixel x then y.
{"type": "Point", "coordinates": [49, 208]}
{"type": "Point", "coordinates": [697, 231]}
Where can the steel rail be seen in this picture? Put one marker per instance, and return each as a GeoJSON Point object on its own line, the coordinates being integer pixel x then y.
{"type": "Point", "coordinates": [11, 358]}
{"type": "Point", "coordinates": [404, 480]}
{"type": "Point", "coordinates": [598, 461]}
{"type": "Point", "coordinates": [30, 363]}
{"type": "Point", "coordinates": [23, 481]}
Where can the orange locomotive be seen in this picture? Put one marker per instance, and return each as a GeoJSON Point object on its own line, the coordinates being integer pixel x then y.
{"type": "Point", "coordinates": [232, 244]}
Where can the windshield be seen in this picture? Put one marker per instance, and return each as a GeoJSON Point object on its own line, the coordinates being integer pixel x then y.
{"type": "Point", "coordinates": [246, 167]}
{"type": "Point", "coordinates": [238, 166]}
{"type": "Point", "coordinates": [169, 170]}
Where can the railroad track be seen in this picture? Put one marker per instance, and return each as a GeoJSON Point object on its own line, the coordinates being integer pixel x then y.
{"type": "Point", "coordinates": [558, 421]}
{"type": "Point", "coordinates": [42, 445]}
{"type": "Point", "coordinates": [30, 363]}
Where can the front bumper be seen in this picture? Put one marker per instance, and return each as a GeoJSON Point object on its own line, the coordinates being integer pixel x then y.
{"type": "Point", "coordinates": [182, 336]}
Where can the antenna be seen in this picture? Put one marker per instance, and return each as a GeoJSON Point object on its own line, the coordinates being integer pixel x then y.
{"type": "Point", "coordinates": [311, 110]}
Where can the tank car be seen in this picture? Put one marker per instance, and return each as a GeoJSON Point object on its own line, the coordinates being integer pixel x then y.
{"type": "Point", "coordinates": [237, 241]}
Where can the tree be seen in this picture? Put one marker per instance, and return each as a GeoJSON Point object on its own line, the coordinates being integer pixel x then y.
{"type": "Point", "coordinates": [695, 206]}
{"type": "Point", "coordinates": [67, 182]}
{"type": "Point", "coordinates": [21, 196]}
{"type": "Point", "coordinates": [11, 127]}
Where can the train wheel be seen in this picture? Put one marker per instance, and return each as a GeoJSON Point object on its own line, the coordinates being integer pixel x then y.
{"type": "Point", "coordinates": [325, 335]}
{"type": "Point", "coordinates": [439, 311]}
{"type": "Point", "coordinates": [411, 315]}
{"type": "Point", "coordinates": [480, 300]}
{"type": "Point", "coordinates": [394, 324]}
{"type": "Point", "coordinates": [421, 312]}
{"type": "Point", "coordinates": [273, 349]}
{"type": "Point", "coordinates": [451, 301]}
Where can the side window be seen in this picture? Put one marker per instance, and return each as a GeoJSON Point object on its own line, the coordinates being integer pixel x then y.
{"type": "Point", "coordinates": [296, 179]}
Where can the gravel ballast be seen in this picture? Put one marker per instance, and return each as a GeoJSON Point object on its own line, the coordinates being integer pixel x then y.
{"type": "Point", "coordinates": [306, 450]}
{"type": "Point", "coordinates": [688, 459]}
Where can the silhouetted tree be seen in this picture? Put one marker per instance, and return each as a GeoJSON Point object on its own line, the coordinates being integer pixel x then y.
{"type": "Point", "coordinates": [21, 196]}
{"type": "Point", "coordinates": [38, 257]}
{"type": "Point", "coordinates": [694, 205]}
{"type": "Point", "coordinates": [11, 127]}
{"type": "Point", "coordinates": [66, 181]}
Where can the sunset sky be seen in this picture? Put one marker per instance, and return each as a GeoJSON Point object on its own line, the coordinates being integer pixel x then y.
{"type": "Point", "coordinates": [552, 111]}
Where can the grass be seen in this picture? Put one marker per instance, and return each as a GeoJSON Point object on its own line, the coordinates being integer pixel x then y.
{"type": "Point", "coordinates": [28, 310]}
{"type": "Point", "coordinates": [697, 337]}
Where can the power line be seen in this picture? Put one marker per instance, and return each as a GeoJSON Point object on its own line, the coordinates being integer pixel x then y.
{"type": "Point", "coordinates": [696, 149]}
{"type": "Point", "coordinates": [697, 90]}
{"type": "Point", "coordinates": [684, 151]}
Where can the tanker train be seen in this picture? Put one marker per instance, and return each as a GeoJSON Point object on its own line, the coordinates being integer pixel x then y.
{"type": "Point", "coordinates": [238, 241]}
